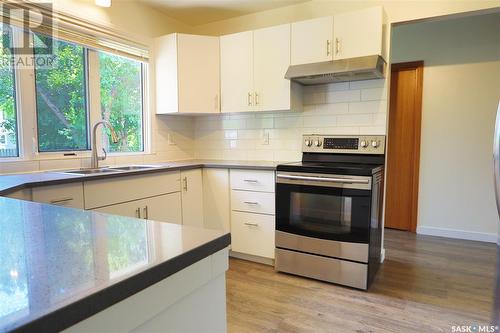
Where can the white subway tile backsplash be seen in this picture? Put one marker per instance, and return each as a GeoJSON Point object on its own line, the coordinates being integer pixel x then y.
{"type": "Point", "coordinates": [367, 107]}
{"type": "Point", "coordinates": [367, 84]}
{"type": "Point", "coordinates": [343, 96]}
{"type": "Point", "coordinates": [328, 109]}
{"type": "Point", "coordinates": [288, 122]}
{"type": "Point", "coordinates": [354, 120]}
{"type": "Point", "coordinates": [320, 121]}
{"type": "Point", "coordinates": [374, 94]}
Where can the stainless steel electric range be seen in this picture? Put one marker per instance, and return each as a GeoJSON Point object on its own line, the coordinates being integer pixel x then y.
{"type": "Point", "coordinates": [329, 208]}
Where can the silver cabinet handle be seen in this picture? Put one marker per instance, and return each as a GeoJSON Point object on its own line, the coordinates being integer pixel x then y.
{"type": "Point", "coordinates": [251, 202]}
{"type": "Point", "coordinates": [138, 213]}
{"type": "Point", "coordinates": [146, 213]}
{"type": "Point", "coordinates": [256, 99]}
{"type": "Point", "coordinates": [337, 46]}
{"type": "Point", "coordinates": [250, 102]}
{"type": "Point", "coordinates": [328, 47]}
{"type": "Point", "coordinates": [250, 180]}
{"type": "Point", "coordinates": [251, 224]}
{"type": "Point", "coordinates": [62, 200]}
{"type": "Point", "coordinates": [185, 180]}
{"type": "Point", "coordinates": [326, 179]}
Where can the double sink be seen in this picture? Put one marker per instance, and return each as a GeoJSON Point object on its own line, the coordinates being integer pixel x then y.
{"type": "Point", "coordinates": [105, 170]}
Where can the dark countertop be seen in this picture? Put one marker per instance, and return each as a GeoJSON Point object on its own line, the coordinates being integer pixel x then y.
{"type": "Point", "coordinates": [14, 182]}
{"type": "Point", "coordinates": [62, 265]}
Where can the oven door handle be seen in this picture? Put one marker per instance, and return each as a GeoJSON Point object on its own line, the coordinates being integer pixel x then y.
{"type": "Point", "coordinates": [326, 179]}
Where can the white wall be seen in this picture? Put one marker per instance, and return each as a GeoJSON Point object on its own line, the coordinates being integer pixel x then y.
{"type": "Point", "coordinates": [461, 91]}
{"type": "Point", "coordinates": [340, 108]}
{"type": "Point", "coordinates": [397, 11]}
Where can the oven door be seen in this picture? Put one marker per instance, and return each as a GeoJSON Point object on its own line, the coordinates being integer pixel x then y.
{"type": "Point", "coordinates": [330, 207]}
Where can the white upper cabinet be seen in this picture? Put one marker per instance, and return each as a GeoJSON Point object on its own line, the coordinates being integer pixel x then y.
{"type": "Point", "coordinates": [359, 33]}
{"type": "Point", "coordinates": [253, 68]}
{"type": "Point", "coordinates": [312, 41]}
{"type": "Point", "coordinates": [187, 74]}
{"type": "Point", "coordinates": [236, 59]}
{"type": "Point", "coordinates": [271, 60]}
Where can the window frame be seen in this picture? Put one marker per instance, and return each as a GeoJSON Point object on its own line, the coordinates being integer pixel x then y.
{"type": "Point", "coordinates": [15, 90]}
{"type": "Point", "coordinates": [25, 97]}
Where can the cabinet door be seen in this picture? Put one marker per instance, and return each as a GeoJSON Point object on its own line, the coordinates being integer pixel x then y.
{"type": "Point", "coordinates": [358, 33]}
{"type": "Point", "coordinates": [198, 73]}
{"type": "Point", "coordinates": [236, 64]}
{"type": "Point", "coordinates": [192, 197]}
{"type": "Point", "coordinates": [162, 208]}
{"type": "Point", "coordinates": [253, 234]}
{"type": "Point", "coordinates": [312, 40]}
{"type": "Point", "coordinates": [130, 209]}
{"type": "Point", "coordinates": [216, 204]}
{"type": "Point", "coordinates": [271, 60]}
{"type": "Point", "coordinates": [67, 195]}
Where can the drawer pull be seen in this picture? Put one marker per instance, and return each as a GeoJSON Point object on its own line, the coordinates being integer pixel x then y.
{"type": "Point", "coordinates": [251, 224]}
{"type": "Point", "coordinates": [138, 213]}
{"type": "Point", "coordinates": [63, 200]}
{"type": "Point", "coordinates": [251, 202]}
{"type": "Point", "coordinates": [250, 180]}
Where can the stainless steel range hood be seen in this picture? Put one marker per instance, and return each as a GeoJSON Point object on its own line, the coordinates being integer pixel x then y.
{"type": "Point", "coordinates": [353, 69]}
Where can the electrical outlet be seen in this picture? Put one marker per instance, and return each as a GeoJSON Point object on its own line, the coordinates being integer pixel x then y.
{"type": "Point", "coordinates": [265, 137]}
{"type": "Point", "coordinates": [170, 139]}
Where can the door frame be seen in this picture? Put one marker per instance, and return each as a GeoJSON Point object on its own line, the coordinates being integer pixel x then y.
{"type": "Point", "coordinates": [419, 68]}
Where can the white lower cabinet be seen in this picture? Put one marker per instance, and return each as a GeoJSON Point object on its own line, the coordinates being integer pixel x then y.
{"type": "Point", "coordinates": [67, 195]}
{"type": "Point", "coordinates": [252, 213]}
{"type": "Point", "coordinates": [192, 197]}
{"type": "Point", "coordinates": [163, 208]}
{"type": "Point", "coordinates": [253, 234]}
{"type": "Point", "coordinates": [216, 200]}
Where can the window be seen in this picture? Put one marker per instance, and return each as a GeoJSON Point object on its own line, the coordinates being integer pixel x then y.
{"type": "Point", "coordinates": [8, 113]}
{"type": "Point", "coordinates": [74, 87]}
{"type": "Point", "coordinates": [121, 101]}
{"type": "Point", "coordinates": [62, 117]}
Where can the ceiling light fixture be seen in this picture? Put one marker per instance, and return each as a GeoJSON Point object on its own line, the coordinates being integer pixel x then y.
{"type": "Point", "coordinates": [103, 3]}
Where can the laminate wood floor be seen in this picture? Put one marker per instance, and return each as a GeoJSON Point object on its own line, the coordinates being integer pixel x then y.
{"type": "Point", "coordinates": [426, 284]}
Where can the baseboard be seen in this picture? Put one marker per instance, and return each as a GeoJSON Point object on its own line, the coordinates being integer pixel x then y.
{"type": "Point", "coordinates": [459, 234]}
{"type": "Point", "coordinates": [382, 255]}
{"type": "Point", "coordinates": [249, 257]}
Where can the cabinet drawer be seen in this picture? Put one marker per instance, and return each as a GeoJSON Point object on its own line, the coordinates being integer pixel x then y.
{"type": "Point", "coordinates": [67, 195]}
{"type": "Point", "coordinates": [255, 202]}
{"type": "Point", "coordinates": [252, 180]}
{"type": "Point", "coordinates": [252, 234]}
{"type": "Point", "coordinates": [99, 193]}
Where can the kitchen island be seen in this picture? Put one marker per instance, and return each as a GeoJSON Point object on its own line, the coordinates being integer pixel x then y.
{"type": "Point", "coordinates": [84, 271]}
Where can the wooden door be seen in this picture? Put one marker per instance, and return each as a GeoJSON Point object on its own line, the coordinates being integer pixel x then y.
{"type": "Point", "coordinates": [312, 40]}
{"type": "Point", "coordinates": [358, 33]}
{"type": "Point", "coordinates": [403, 148]}
{"type": "Point", "coordinates": [271, 60]}
{"type": "Point", "coordinates": [236, 72]}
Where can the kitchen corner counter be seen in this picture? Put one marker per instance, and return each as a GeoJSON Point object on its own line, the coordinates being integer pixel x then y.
{"type": "Point", "coordinates": [63, 265]}
{"type": "Point", "coordinates": [14, 182]}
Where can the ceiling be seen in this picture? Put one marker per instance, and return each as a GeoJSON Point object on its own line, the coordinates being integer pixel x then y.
{"type": "Point", "coordinates": [197, 12]}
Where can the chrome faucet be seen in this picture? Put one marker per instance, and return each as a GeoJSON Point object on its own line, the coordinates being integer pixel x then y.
{"type": "Point", "coordinates": [94, 161]}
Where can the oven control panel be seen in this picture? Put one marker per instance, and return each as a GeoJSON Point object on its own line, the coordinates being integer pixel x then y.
{"type": "Point", "coordinates": [348, 144]}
